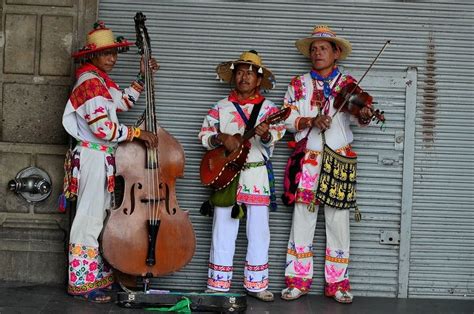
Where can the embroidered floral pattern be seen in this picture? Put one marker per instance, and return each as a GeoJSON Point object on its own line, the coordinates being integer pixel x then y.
{"type": "Point", "coordinates": [345, 80]}
{"type": "Point", "coordinates": [306, 196]}
{"type": "Point", "coordinates": [299, 88]}
{"type": "Point", "coordinates": [307, 180]}
{"type": "Point", "coordinates": [336, 264]}
{"type": "Point", "coordinates": [301, 269]}
{"type": "Point", "coordinates": [87, 271]}
{"type": "Point", "coordinates": [333, 273]}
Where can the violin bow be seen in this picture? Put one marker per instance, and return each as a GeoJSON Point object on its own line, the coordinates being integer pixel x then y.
{"type": "Point", "coordinates": [363, 76]}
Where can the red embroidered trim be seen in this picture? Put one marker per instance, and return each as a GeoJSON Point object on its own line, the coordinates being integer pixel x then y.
{"type": "Point", "coordinates": [221, 284]}
{"type": "Point", "coordinates": [253, 199]}
{"type": "Point", "coordinates": [256, 267]}
{"type": "Point", "coordinates": [331, 288]}
{"type": "Point", "coordinates": [220, 267]}
{"type": "Point", "coordinates": [255, 285]}
{"type": "Point", "coordinates": [303, 284]}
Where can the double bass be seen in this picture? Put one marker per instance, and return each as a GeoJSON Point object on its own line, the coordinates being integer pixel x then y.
{"type": "Point", "coordinates": [147, 234]}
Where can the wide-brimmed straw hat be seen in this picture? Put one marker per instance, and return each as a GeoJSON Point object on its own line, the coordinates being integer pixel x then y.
{"type": "Point", "coordinates": [322, 32]}
{"type": "Point", "coordinates": [99, 39]}
{"type": "Point", "coordinates": [251, 57]}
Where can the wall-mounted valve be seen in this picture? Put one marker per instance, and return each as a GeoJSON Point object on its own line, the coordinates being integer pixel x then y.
{"type": "Point", "coordinates": [33, 184]}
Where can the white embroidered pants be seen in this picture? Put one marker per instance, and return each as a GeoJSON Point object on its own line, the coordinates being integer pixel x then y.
{"type": "Point", "coordinates": [87, 270]}
{"type": "Point", "coordinates": [299, 258]}
{"type": "Point", "coordinates": [224, 234]}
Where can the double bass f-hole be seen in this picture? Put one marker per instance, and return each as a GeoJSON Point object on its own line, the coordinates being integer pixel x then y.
{"type": "Point", "coordinates": [132, 198]}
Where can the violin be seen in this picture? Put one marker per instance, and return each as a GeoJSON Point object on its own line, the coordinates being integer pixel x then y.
{"type": "Point", "coordinates": [352, 99]}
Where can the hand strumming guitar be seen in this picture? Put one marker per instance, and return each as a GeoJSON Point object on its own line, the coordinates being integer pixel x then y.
{"type": "Point", "coordinates": [230, 142]}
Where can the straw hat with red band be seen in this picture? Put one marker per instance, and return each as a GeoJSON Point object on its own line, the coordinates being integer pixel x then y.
{"type": "Point", "coordinates": [99, 39]}
{"type": "Point", "coordinates": [322, 32]}
{"type": "Point", "coordinates": [225, 69]}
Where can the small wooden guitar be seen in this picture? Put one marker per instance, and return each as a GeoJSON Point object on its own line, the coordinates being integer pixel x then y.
{"type": "Point", "coordinates": [219, 166]}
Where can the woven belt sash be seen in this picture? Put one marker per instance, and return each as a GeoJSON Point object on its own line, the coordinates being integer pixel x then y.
{"type": "Point", "coordinates": [256, 164]}
{"type": "Point", "coordinates": [95, 146]}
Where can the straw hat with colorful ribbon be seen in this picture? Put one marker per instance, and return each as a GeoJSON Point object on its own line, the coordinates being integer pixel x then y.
{"type": "Point", "coordinates": [99, 39]}
{"type": "Point", "coordinates": [251, 57]}
{"type": "Point", "coordinates": [322, 32]}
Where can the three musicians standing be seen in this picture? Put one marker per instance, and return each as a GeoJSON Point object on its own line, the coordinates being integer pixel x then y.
{"type": "Point", "coordinates": [90, 117]}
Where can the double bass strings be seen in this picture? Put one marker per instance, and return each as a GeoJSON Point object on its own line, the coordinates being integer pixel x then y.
{"type": "Point", "coordinates": [152, 153]}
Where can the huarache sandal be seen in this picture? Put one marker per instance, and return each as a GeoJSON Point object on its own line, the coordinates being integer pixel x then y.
{"type": "Point", "coordinates": [264, 295]}
{"type": "Point", "coordinates": [290, 294]}
{"type": "Point", "coordinates": [95, 296]}
{"type": "Point", "coordinates": [342, 296]}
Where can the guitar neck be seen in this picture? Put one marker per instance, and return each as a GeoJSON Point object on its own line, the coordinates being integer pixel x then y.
{"type": "Point", "coordinates": [274, 118]}
{"type": "Point", "coordinates": [250, 133]}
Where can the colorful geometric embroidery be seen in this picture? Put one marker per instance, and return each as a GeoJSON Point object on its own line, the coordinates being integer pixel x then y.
{"type": "Point", "coordinates": [331, 288]}
{"type": "Point", "coordinates": [95, 146]}
{"type": "Point", "coordinates": [253, 199]}
{"type": "Point", "coordinates": [303, 284]}
{"type": "Point", "coordinates": [220, 284]}
{"type": "Point", "coordinates": [299, 255]}
{"type": "Point", "coordinates": [87, 90]}
{"type": "Point", "coordinates": [221, 268]}
{"type": "Point", "coordinates": [256, 267]}
{"type": "Point", "coordinates": [337, 260]}
{"type": "Point", "coordinates": [255, 285]}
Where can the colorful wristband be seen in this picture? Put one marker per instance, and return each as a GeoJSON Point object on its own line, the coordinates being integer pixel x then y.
{"type": "Point", "coordinates": [136, 132]}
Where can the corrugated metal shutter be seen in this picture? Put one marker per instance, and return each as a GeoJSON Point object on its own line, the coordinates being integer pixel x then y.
{"type": "Point", "coordinates": [191, 38]}
{"type": "Point", "coordinates": [442, 240]}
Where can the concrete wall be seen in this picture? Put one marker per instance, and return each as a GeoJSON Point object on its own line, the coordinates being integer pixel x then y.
{"type": "Point", "coordinates": [36, 40]}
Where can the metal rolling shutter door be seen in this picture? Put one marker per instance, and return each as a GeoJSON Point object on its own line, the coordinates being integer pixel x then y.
{"type": "Point", "coordinates": [190, 39]}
